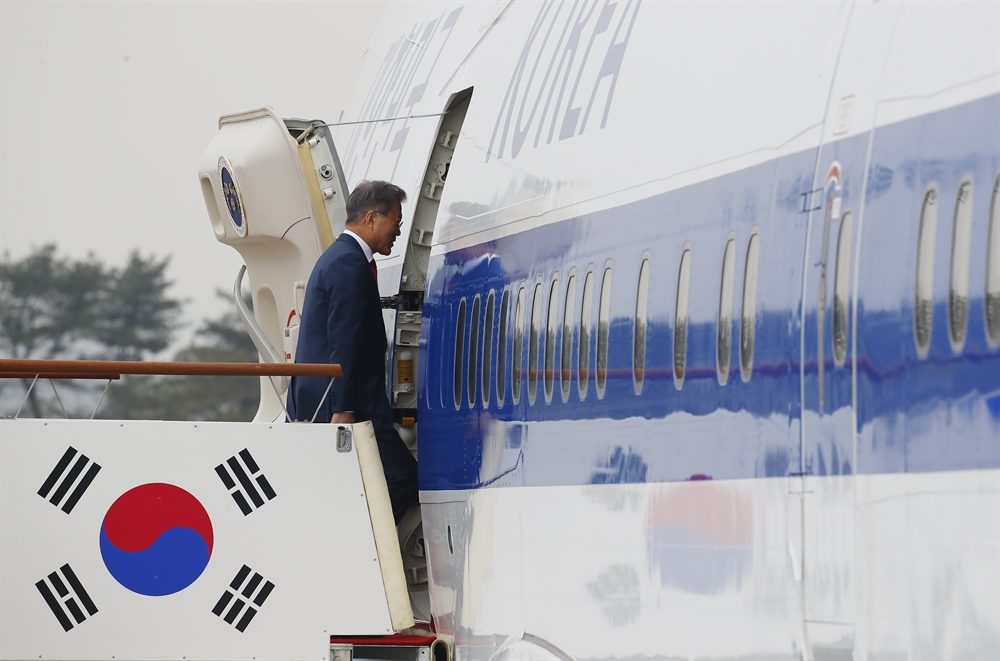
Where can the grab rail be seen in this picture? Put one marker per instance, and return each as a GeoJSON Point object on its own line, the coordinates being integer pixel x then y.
{"type": "Point", "coordinates": [256, 333]}
{"type": "Point", "coordinates": [11, 368]}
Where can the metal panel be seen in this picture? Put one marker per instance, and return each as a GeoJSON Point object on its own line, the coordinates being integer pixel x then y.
{"type": "Point", "coordinates": [274, 505]}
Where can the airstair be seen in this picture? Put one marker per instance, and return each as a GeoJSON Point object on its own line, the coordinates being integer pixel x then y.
{"type": "Point", "coordinates": [185, 540]}
{"type": "Point", "coordinates": [276, 192]}
{"type": "Point", "coordinates": [263, 540]}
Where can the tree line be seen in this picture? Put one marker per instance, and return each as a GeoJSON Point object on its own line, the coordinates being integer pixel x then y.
{"type": "Point", "coordinates": [56, 307]}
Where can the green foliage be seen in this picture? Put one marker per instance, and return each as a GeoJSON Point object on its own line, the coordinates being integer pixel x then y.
{"type": "Point", "coordinates": [137, 317]}
{"type": "Point", "coordinates": [48, 305]}
{"type": "Point", "coordinates": [223, 398]}
{"type": "Point", "coordinates": [56, 307]}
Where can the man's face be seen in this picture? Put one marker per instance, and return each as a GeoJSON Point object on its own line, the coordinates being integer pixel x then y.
{"type": "Point", "coordinates": [385, 229]}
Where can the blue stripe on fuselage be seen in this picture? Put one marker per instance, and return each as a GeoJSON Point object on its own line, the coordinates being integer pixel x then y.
{"type": "Point", "coordinates": [739, 430]}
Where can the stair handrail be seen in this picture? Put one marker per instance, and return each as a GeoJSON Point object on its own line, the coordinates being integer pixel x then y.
{"type": "Point", "coordinates": [11, 368]}
{"type": "Point", "coordinates": [264, 346]}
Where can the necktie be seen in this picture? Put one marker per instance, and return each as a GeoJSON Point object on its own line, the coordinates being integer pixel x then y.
{"type": "Point", "coordinates": [374, 270]}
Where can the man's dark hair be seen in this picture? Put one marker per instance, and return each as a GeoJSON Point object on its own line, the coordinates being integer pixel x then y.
{"type": "Point", "coordinates": [372, 196]}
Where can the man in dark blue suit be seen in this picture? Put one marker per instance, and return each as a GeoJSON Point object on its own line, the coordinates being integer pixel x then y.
{"type": "Point", "coordinates": [342, 324]}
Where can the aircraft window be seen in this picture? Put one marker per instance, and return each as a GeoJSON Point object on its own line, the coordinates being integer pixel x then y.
{"type": "Point", "coordinates": [459, 352]}
{"type": "Point", "coordinates": [748, 323]}
{"type": "Point", "coordinates": [681, 316]}
{"type": "Point", "coordinates": [502, 349]}
{"type": "Point", "coordinates": [517, 360]}
{"type": "Point", "coordinates": [841, 288]}
{"type": "Point", "coordinates": [923, 304]}
{"type": "Point", "coordinates": [639, 332]}
{"type": "Point", "coordinates": [551, 326]}
{"type": "Point", "coordinates": [961, 246]}
{"type": "Point", "coordinates": [473, 347]}
{"type": "Point", "coordinates": [487, 353]}
{"type": "Point", "coordinates": [583, 362]}
{"type": "Point", "coordinates": [569, 313]}
{"type": "Point", "coordinates": [603, 328]}
{"type": "Point", "coordinates": [533, 344]}
{"type": "Point", "coordinates": [724, 330]}
{"type": "Point", "coordinates": [991, 310]}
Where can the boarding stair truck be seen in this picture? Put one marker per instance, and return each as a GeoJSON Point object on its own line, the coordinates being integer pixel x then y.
{"type": "Point", "coordinates": [193, 540]}
{"type": "Point", "coordinates": [276, 192]}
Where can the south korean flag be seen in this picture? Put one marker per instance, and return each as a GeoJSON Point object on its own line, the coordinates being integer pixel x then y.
{"type": "Point", "coordinates": [153, 540]}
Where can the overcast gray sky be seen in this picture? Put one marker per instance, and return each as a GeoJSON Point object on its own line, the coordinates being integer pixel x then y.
{"type": "Point", "coordinates": [107, 107]}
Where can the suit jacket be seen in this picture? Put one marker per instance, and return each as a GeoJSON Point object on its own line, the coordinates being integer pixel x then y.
{"type": "Point", "coordinates": [341, 324]}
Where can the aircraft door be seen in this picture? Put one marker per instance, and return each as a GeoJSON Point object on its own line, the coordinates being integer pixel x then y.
{"type": "Point", "coordinates": [403, 312]}
{"type": "Point", "coordinates": [413, 281]}
{"type": "Point", "coordinates": [405, 346]}
{"type": "Point", "coordinates": [828, 456]}
{"type": "Point", "coordinates": [830, 547]}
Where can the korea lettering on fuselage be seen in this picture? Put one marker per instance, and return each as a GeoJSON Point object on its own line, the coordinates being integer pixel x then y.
{"type": "Point", "coordinates": [571, 58]}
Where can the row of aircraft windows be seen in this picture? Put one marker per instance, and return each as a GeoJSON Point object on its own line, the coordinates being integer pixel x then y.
{"type": "Point", "coordinates": [958, 288]}
{"type": "Point", "coordinates": [543, 328]}
{"type": "Point", "coordinates": [550, 360]}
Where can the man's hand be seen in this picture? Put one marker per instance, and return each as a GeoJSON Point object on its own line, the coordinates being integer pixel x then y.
{"type": "Point", "coordinates": [342, 418]}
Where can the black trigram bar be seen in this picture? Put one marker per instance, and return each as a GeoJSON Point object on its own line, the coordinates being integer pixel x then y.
{"type": "Point", "coordinates": [233, 600]}
{"type": "Point", "coordinates": [65, 482]}
{"type": "Point", "coordinates": [66, 597]}
{"type": "Point", "coordinates": [249, 479]}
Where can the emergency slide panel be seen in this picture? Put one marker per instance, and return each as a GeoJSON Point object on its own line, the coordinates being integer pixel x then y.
{"type": "Point", "coordinates": [174, 540]}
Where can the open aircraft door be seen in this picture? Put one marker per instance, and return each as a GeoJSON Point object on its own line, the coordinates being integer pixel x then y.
{"type": "Point", "coordinates": [404, 315]}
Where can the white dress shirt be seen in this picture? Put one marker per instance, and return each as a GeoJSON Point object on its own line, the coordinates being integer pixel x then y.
{"type": "Point", "coordinates": [364, 246]}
